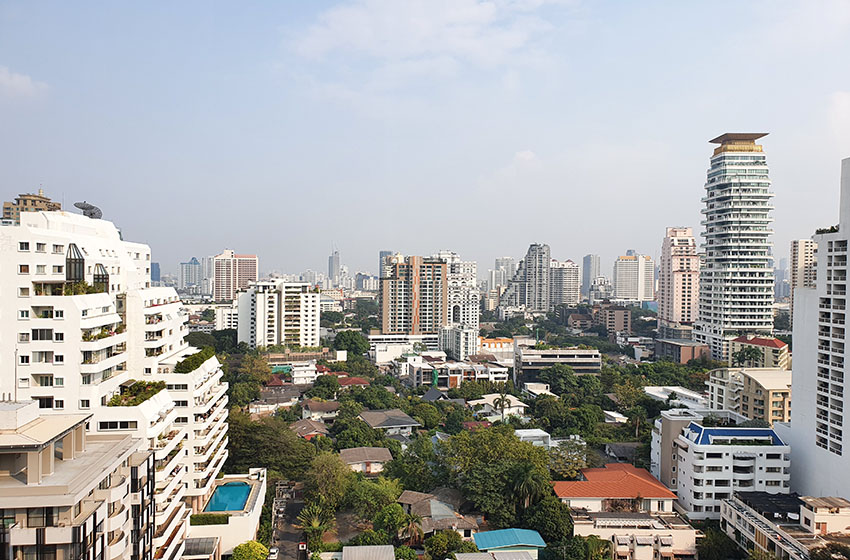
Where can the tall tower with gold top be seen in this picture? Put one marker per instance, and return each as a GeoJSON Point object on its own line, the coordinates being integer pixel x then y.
{"type": "Point", "coordinates": [736, 281]}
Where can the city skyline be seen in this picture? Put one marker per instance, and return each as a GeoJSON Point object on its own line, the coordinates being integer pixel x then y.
{"type": "Point", "coordinates": [229, 125]}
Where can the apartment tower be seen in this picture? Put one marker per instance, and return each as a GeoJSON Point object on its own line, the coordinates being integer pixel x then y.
{"type": "Point", "coordinates": [414, 296]}
{"type": "Point", "coordinates": [232, 272]}
{"type": "Point", "coordinates": [736, 281]}
{"type": "Point", "coordinates": [189, 276]}
{"type": "Point", "coordinates": [564, 283]}
{"type": "Point", "coordinates": [678, 284]}
{"type": "Point", "coordinates": [272, 312]}
{"type": "Point", "coordinates": [28, 203]}
{"type": "Point", "coordinates": [464, 299]}
{"type": "Point", "coordinates": [803, 267]}
{"type": "Point", "coordinates": [529, 288]}
{"type": "Point", "coordinates": [589, 272]}
{"type": "Point", "coordinates": [634, 278]}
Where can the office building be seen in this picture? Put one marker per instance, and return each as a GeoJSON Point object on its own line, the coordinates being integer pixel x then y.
{"type": "Point", "coordinates": [820, 349]}
{"type": "Point", "coordinates": [333, 269]}
{"type": "Point", "coordinates": [803, 267]}
{"type": "Point", "coordinates": [464, 301]}
{"type": "Point", "coordinates": [736, 279]}
{"type": "Point", "coordinates": [529, 288]}
{"type": "Point", "coordinates": [207, 275]}
{"type": "Point", "coordinates": [529, 361]}
{"type": "Point", "coordinates": [765, 352]}
{"type": "Point", "coordinates": [414, 296]}
{"type": "Point", "coordinates": [590, 270]}
{"type": "Point", "coordinates": [678, 283]}
{"type": "Point", "coordinates": [503, 272]}
{"type": "Point", "coordinates": [615, 318]}
{"type": "Point", "coordinates": [274, 312]}
{"type": "Point", "coordinates": [755, 393]}
{"type": "Point", "coordinates": [28, 203]}
{"type": "Point", "coordinates": [634, 278]}
{"type": "Point", "coordinates": [232, 272]}
{"type": "Point", "coordinates": [189, 276]}
{"type": "Point", "coordinates": [564, 283]}
{"type": "Point", "coordinates": [680, 350]}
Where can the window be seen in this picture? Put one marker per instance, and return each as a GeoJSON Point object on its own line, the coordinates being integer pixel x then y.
{"type": "Point", "coordinates": [23, 292]}
{"type": "Point", "coordinates": [41, 247]}
{"type": "Point", "coordinates": [23, 269]}
{"type": "Point", "coordinates": [58, 358]}
{"type": "Point", "coordinates": [23, 382]}
{"type": "Point", "coordinates": [59, 249]}
{"type": "Point", "coordinates": [58, 313]}
{"type": "Point", "coordinates": [86, 379]}
{"type": "Point", "coordinates": [40, 269]}
{"type": "Point", "coordinates": [58, 403]}
{"type": "Point", "coordinates": [24, 337]}
{"type": "Point", "coordinates": [24, 314]}
{"type": "Point", "coordinates": [84, 403]}
{"type": "Point", "coordinates": [59, 337]}
{"type": "Point", "coordinates": [116, 425]}
{"type": "Point", "coordinates": [39, 517]}
{"type": "Point", "coordinates": [181, 404]}
{"type": "Point", "coordinates": [44, 380]}
{"type": "Point", "coordinates": [58, 269]}
{"type": "Point", "coordinates": [24, 359]}
{"type": "Point", "coordinates": [42, 334]}
{"type": "Point", "coordinates": [23, 245]}
{"type": "Point", "coordinates": [58, 381]}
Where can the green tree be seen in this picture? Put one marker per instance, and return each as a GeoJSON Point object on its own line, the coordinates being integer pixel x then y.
{"type": "Point", "coordinates": [636, 415]}
{"type": "Point", "coordinates": [560, 377]}
{"type": "Point", "coordinates": [411, 529]}
{"type": "Point", "coordinates": [502, 402]}
{"type": "Point", "coordinates": [715, 545]}
{"type": "Point", "coordinates": [242, 394]}
{"type": "Point", "coordinates": [442, 544]}
{"type": "Point", "coordinates": [747, 356]}
{"type": "Point", "coordinates": [405, 553]}
{"type": "Point", "coordinates": [267, 442]}
{"type": "Point", "coordinates": [570, 548]}
{"type": "Point", "coordinates": [368, 497]}
{"type": "Point", "coordinates": [354, 432]}
{"type": "Point", "coordinates": [351, 341]}
{"type": "Point", "coordinates": [315, 521]}
{"type": "Point", "coordinates": [550, 517]}
{"type": "Point", "coordinates": [200, 339]}
{"type": "Point", "coordinates": [416, 466]}
{"type": "Point", "coordinates": [329, 478]}
{"type": "Point", "coordinates": [390, 520]}
{"type": "Point", "coordinates": [331, 318]}
{"type": "Point", "coordinates": [251, 550]}
{"type": "Point", "coordinates": [567, 460]}
{"type": "Point", "coordinates": [529, 483]}
{"type": "Point", "coordinates": [628, 393]}
{"type": "Point", "coordinates": [370, 537]}
{"type": "Point", "coordinates": [427, 414]}
{"type": "Point", "coordinates": [208, 315]}
{"type": "Point", "coordinates": [324, 387]}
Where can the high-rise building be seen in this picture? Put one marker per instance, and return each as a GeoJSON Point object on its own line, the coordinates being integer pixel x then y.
{"type": "Point", "coordinates": [502, 273]}
{"type": "Point", "coordinates": [678, 284]}
{"type": "Point", "coordinates": [207, 275]}
{"type": "Point", "coordinates": [757, 393]}
{"type": "Point", "coordinates": [803, 267]}
{"type": "Point", "coordinates": [189, 276]}
{"type": "Point", "coordinates": [634, 278]}
{"type": "Point", "coordinates": [564, 283]}
{"type": "Point", "coordinates": [333, 269]}
{"type": "Point", "coordinates": [736, 280]}
{"type": "Point", "coordinates": [529, 288]}
{"type": "Point", "coordinates": [589, 272]}
{"type": "Point", "coordinates": [819, 383]}
{"type": "Point", "coordinates": [273, 312]}
{"type": "Point", "coordinates": [232, 272]}
{"type": "Point", "coordinates": [90, 335]}
{"type": "Point", "coordinates": [382, 257]}
{"type": "Point", "coordinates": [414, 296]}
{"type": "Point", "coordinates": [28, 203]}
{"type": "Point", "coordinates": [155, 273]}
{"type": "Point", "coordinates": [464, 301]}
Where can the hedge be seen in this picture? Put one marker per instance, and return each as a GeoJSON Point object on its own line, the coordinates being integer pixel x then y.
{"type": "Point", "coordinates": [193, 362]}
{"type": "Point", "coordinates": [209, 519]}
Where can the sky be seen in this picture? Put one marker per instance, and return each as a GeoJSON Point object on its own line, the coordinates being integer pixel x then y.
{"type": "Point", "coordinates": [285, 128]}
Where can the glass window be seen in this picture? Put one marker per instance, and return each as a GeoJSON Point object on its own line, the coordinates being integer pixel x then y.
{"type": "Point", "coordinates": [24, 314]}
{"type": "Point", "coordinates": [23, 292]}
{"type": "Point", "coordinates": [23, 269]}
{"type": "Point", "coordinates": [59, 337]}
{"type": "Point", "coordinates": [23, 246]}
{"type": "Point", "coordinates": [24, 337]}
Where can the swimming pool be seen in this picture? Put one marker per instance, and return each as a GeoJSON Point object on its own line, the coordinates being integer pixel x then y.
{"type": "Point", "coordinates": [229, 497]}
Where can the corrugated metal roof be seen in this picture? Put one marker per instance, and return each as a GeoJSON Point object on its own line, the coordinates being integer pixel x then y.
{"type": "Point", "coordinates": [376, 552]}
{"type": "Point", "coordinates": [504, 538]}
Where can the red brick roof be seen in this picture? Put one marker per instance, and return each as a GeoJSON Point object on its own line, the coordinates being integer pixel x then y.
{"type": "Point", "coordinates": [322, 369]}
{"type": "Point", "coordinates": [351, 381]}
{"type": "Point", "coordinates": [769, 342]}
{"type": "Point", "coordinates": [274, 381]}
{"type": "Point", "coordinates": [615, 480]}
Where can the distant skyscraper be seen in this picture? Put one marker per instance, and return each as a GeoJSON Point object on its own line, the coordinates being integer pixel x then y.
{"type": "Point", "coordinates": [589, 272]}
{"type": "Point", "coordinates": [333, 268]}
{"type": "Point", "coordinates": [414, 296]}
{"type": "Point", "coordinates": [463, 295]}
{"type": "Point", "coordinates": [634, 278]}
{"type": "Point", "coordinates": [564, 283]}
{"type": "Point", "coordinates": [529, 287]}
{"type": "Point", "coordinates": [502, 273]}
{"type": "Point", "coordinates": [207, 275]}
{"type": "Point", "coordinates": [233, 273]}
{"type": "Point", "coordinates": [678, 284]}
{"type": "Point", "coordinates": [155, 272]}
{"type": "Point", "coordinates": [736, 281]}
{"type": "Point", "coordinates": [189, 275]}
{"type": "Point", "coordinates": [803, 267]}
{"type": "Point", "coordinates": [382, 256]}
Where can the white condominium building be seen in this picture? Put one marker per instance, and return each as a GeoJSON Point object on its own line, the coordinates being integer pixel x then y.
{"type": "Point", "coordinates": [529, 288]}
{"type": "Point", "coordinates": [274, 312]}
{"type": "Point", "coordinates": [564, 283]}
{"type": "Point", "coordinates": [634, 278]}
{"type": "Point", "coordinates": [736, 281]}
{"type": "Point", "coordinates": [803, 267]}
{"type": "Point", "coordinates": [678, 283]}
{"type": "Point", "coordinates": [821, 398]}
{"type": "Point", "coordinates": [190, 275]}
{"type": "Point", "coordinates": [463, 294]}
{"type": "Point", "coordinates": [231, 273]}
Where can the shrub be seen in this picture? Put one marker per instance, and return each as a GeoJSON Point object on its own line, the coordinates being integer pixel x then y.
{"type": "Point", "coordinates": [209, 519]}
{"type": "Point", "coordinates": [137, 393]}
{"type": "Point", "coordinates": [193, 362]}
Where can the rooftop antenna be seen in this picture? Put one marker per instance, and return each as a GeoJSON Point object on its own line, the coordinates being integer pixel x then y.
{"type": "Point", "coordinates": [89, 210]}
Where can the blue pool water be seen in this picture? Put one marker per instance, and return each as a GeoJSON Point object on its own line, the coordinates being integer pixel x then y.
{"type": "Point", "coordinates": [229, 497]}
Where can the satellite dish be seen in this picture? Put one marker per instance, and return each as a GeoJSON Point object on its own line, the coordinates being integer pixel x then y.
{"type": "Point", "coordinates": [89, 210]}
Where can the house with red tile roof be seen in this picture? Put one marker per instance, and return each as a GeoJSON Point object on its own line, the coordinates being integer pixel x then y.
{"type": "Point", "coordinates": [774, 352]}
{"type": "Point", "coordinates": [616, 487]}
{"type": "Point", "coordinates": [346, 382]}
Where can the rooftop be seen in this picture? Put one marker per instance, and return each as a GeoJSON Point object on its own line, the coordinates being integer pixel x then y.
{"type": "Point", "coordinates": [320, 406]}
{"type": "Point", "coordinates": [376, 552]}
{"type": "Point", "coordinates": [365, 455]}
{"type": "Point", "coordinates": [759, 341]}
{"type": "Point", "coordinates": [307, 426]}
{"type": "Point", "coordinates": [707, 436]}
{"type": "Point", "coordinates": [506, 538]}
{"type": "Point", "coordinates": [614, 480]}
{"type": "Point", "coordinates": [39, 432]}
{"type": "Point", "coordinates": [392, 418]}
{"type": "Point", "coordinates": [737, 137]}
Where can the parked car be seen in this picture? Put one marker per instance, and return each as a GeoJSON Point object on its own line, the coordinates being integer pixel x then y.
{"type": "Point", "coordinates": [274, 552]}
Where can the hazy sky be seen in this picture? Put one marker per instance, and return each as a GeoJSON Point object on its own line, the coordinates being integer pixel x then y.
{"type": "Point", "coordinates": [283, 127]}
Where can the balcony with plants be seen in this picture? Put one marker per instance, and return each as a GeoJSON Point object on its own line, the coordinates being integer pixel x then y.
{"type": "Point", "coordinates": [137, 393]}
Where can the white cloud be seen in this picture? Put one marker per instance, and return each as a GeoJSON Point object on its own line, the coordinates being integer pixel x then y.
{"type": "Point", "coordinates": [806, 24]}
{"type": "Point", "coordinates": [13, 84]}
{"type": "Point", "coordinates": [839, 119]}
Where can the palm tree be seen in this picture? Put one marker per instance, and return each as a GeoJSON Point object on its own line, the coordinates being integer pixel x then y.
{"type": "Point", "coordinates": [529, 484]}
{"type": "Point", "coordinates": [315, 522]}
{"type": "Point", "coordinates": [597, 548]}
{"type": "Point", "coordinates": [411, 529]}
{"type": "Point", "coordinates": [502, 401]}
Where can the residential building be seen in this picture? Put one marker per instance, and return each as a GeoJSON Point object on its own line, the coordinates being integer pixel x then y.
{"type": "Point", "coordinates": [529, 361]}
{"type": "Point", "coordinates": [736, 278]}
{"type": "Point", "coordinates": [392, 422]}
{"type": "Point", "coordinates": [678, 283]}
{"type": "Point", "coordinates": [459, 341]}
{"type": "Point", "coordinates": [207, 275]}
{"type": "Point", "coordinates": [232, 273]}
{"type": "Point", "coordinates": [502, 349]}
{"type": "Point", "coordinates": [564, 283]}
{"type": "Point", "coordinates": [463, 296]}
{"type": "Point", "coordinates": [414, 296]}
{"type": "Point", "coordinates": [785, 526]}
{"type": "Point", "coordinates": [227, 316]}
{"type": "Point", "coordinates": [713, 462]}
{"type": "Point", "coordinates": [677, 396]}
{"type": "Point", "coordinates": [756, 393]}
{"type": "Point", "coordinates": [615, 318]}
{"type": "Point", "coordinates": [70, 494]}
{"type": "Point", "coordinates": [503, 272]}
{"type": "Point", "coordinates": [600, 290]}
{"type": "Point", "coordinates": [820, 347]}
{"type": "Point", "coordinates": [274, 312]}
{"type": "Point", "coordinates": [535, 436]}
{"type": "Point", "coordinates": [308, 429]}
{"type": "Point", "coordinates": [634, 278]}
{"type": "Point", "coordinates": [382, 257]}
{"type": "Point", "coordinates": [156, 275]}
{"type": "Point", "coordinates": [492, 407]}
{"type": "Point", "coordinates": [333, 268]}
{"type": "Point", "coordinates": [367, 460]}
{"type": "Point", "coordinates": [29, 203]}
{"type": "Point", "coordinates": [590, 270]}
{"type": "Point", "coordinates": [529, 288]}
{"type": "Point", "coordinates": [680, 350]}
{"type": "Point", "coordinates": [319, 411]}
{"type": "Point", "coordinates": [772, 352]}
{"type": "Point", "coordinates": [189, 275]}
{"type": "Point", "coordinates": [639, 536]}
{"type": "Point", "coordinates": [803, 272]}
{"type": "Point", "coordinates": [615, 487]}
{"type": "Point", "coordinates": [579, 321]}
{"type": "Point", "coordinates": [367, 552]}
{"type": "Point", "coordinates": [437, 514]}
{"type": "Point", "coordinates": [510, 540]}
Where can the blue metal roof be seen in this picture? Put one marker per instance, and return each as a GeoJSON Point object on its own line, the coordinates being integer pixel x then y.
{"type": "Point", "coordinates": [704, 435]}
{"type": "Point", "coordinates": [504, 538]}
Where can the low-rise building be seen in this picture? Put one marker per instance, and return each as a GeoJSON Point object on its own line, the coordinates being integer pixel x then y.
{"type": "Point", "coordinates": [510, 540]}
{"type": "Point", "coordinates": [459, 341]}
{"type": "Point", "coordinates": [535, 436]}
{"type": "Point", "coordinates": [437, 514]}
{"type": "Point", "coordinates": [639, 536]}
{"type": "Point", "coordinates": [530, 361]}
{"type": "Point", "coordinates": [677, 396]}
{"type": "Point", "coordinates": [535, 390]}
{"type": "Point", "coordinates": [367, 460]}
{"type": "Point", "coordinates": [615, 487]}
{"type": "Point", "coordinates": [502, 349]}
{"type": "Point", "coordinates": [450, 374]}
{"type": "Point", "coordinates": [579, 321]}
{"type": "Point", "coordinates": [757, 393]}
{"type": "Point", "coordinates": [320, 411]}
{"type": "Point", "coordinates": [491, 407]}
{"type": "Point", "coordinates": [680, 350]}
{"type": "Point", "coordinates": [615, 318]}
{"type": "Point", "coordinates": [773, 353]}
{"type": "Point", "coordinates": [309, 429]}
{"type": "Point", "coordinates": [392, 421]}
